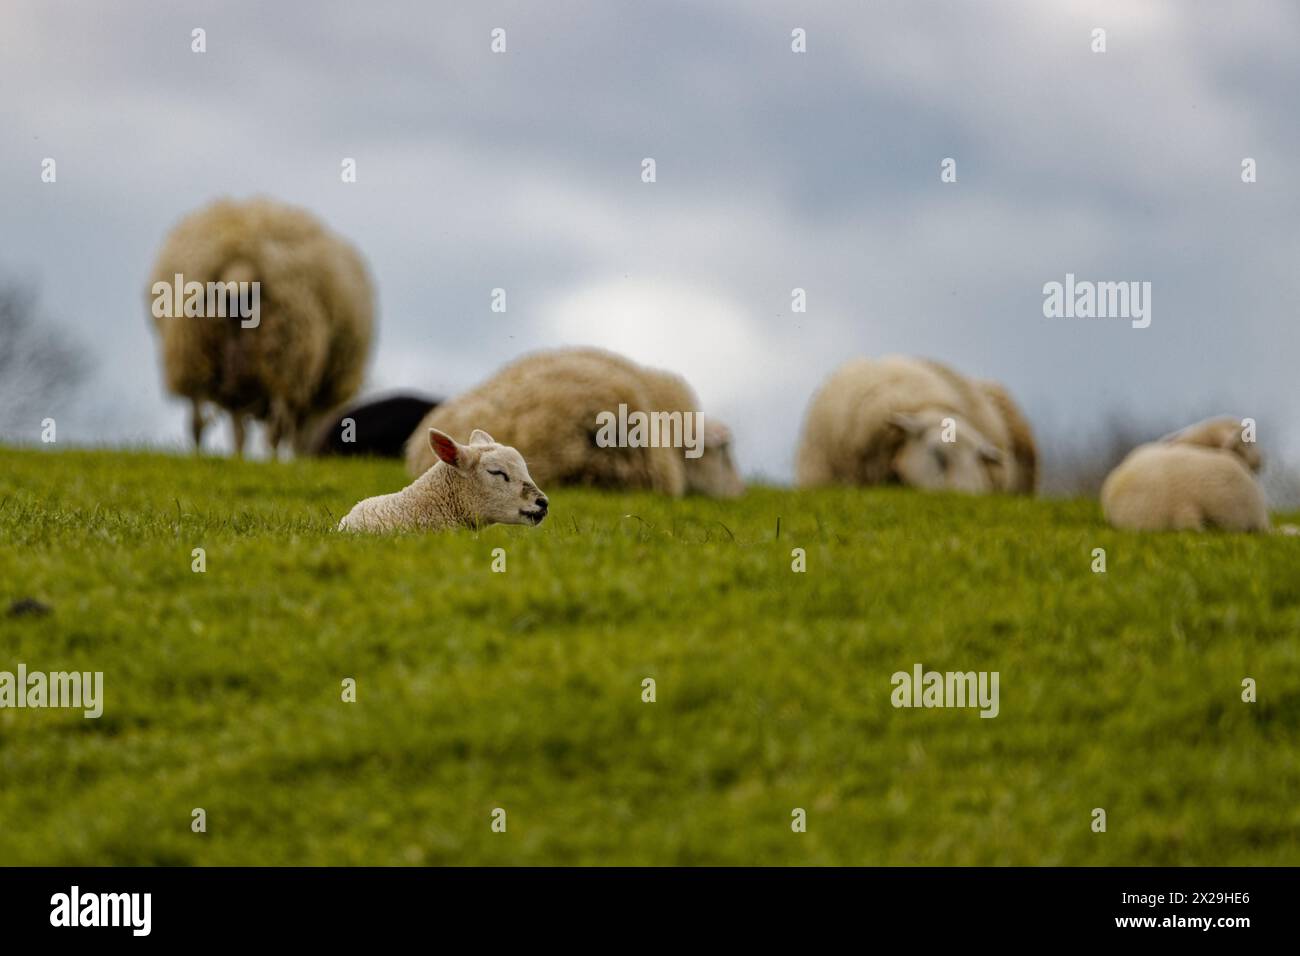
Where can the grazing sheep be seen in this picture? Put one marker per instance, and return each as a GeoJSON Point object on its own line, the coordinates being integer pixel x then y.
{"type": "Point", "coordinates": [305, 351]}
{"type": "Point", "coordinates": [546, 404]}
{"type": "Point", "coordinates": [1222, 432]}
{"type": "Point", "coordinates": [1165, 486]}
{"type": "Point", "coordinates": [1022, 465]}
{"type": "Point", "coordinates": [377, 426]}
{"type": "Point", "coordinates": [470, 486]}
{"type": "Point", "coordinates": [880, 421]}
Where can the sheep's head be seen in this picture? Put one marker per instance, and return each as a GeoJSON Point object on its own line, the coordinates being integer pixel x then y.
{"type": "Point", "coordinates": [1224, 432]}
{"type": "Point", "coordinates": [967, 462]}
{"type": "Point", "coordinates": [714, 473]}
{"type": "Point", "coordinates": [497, 484]}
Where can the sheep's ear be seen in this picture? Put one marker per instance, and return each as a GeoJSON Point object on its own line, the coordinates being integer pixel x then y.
{"type": "Point", "coordinates": [446, 448]}
{"type": "Point", "coordinates": [910, 424]}
{"type": "Point", "coordinates": [990, 453]}
{"type": "Point", "coordinates": [480, 437]}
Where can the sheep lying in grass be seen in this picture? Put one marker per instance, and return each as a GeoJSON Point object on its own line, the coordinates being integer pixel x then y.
{"type": "Point", "coordinates": [470, 486]}
{"type": "Point", "coordinates": [1172, 486]}
{"type": "Point", "coordinates": [905, 420]}
{"type": "Point", "coordinates": [548, 405]}
{"type": "Point", "coordinates": [303, 355]}
{"type": "Point", "coordinates": [1223, 432]}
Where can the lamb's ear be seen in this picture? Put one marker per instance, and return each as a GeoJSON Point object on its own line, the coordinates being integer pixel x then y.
{"type": "Point", "coordinates": [910, 424]}
{"type": "Point", "coordinates": [990, 453]}
{"type": "Point", "coordinates": [447, 448]}
{"type": "Point", "coordinates": [480, 437]}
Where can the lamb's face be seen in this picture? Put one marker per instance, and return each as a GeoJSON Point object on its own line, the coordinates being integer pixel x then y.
{"type": "Point", "coordinates": [927, 461]}
{"type": "Point", "coordinates": [507, 492]}
{"type": "Point", "coordinates": [500, 490]}
{"type": "Point", "coordinates": [714, 473]}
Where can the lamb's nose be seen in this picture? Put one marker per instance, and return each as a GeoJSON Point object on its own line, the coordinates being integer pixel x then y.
{"type": "Point", "coordinates": [543, 504]}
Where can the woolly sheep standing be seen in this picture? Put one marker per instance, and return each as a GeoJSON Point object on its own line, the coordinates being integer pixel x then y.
{"type": "Point", "coordinates": [470, 486]}
{"type": "Point", "coordinates": [1223, 432]}
{"type": "Point", "coordinates": [1170, 486]}
{"type": "Point", "coordinates": [307, 352]}
{"type": "Point", "coordinates": [546, 404]}
{"type": "Point", "coordinates": [877, 421]}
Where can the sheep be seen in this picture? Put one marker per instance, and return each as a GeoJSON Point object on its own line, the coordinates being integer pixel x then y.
{"type": "Point", "coordinates": [904, 420]}
{"type": "Point", "coordinates": [1223, 432]}
{"type": "Point", "coordinates": [547, 404]}
{"type": "Point", "coordinates": [470, 486]}
{"type": "Point", "coordinates": [1171, 486]}
{"type": "Point", "coordinates": [304, 351]}
{"type": "Point", "coordinates": [377, 426]}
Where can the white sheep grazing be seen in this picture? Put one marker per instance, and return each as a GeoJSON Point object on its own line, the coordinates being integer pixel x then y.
{"type": "Point", "coordinates": [470, 486]}
{"type": "Point", "coordinates": [877, 421]}
{"type": "Point", "coordinates": [1166, 486]}
{"type": "Point", "coordinates": [1223, 432]}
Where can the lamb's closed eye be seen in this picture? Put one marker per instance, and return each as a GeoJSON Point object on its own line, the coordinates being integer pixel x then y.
{"type": "Point", "coordinates": [504, 476]}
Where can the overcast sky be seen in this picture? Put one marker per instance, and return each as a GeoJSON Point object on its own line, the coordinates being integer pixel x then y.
{"type": "Point", "coordinates": [775, 170]}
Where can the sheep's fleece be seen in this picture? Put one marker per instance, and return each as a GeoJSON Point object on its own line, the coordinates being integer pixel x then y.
{"type": "Point", "coordinates": [879, 421]}
{"type": "Point", "coordinates": [546, 404]}
{"type": "Point", "coordinates": [308, 352]}
{"type": "Point", "coordinates": [1165, 486]}
{"type": "Point", "coordinates": [471, 485]}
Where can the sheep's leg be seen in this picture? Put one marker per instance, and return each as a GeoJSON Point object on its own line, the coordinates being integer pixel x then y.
{"type": "Point", "coordinates": [197, 423]}
{"type": "Point", "coordinates": [273, 436]}
{"type": "Point", "coordinates": [279, 426]}
{"type": "Point", "coordinates": [240, 425]}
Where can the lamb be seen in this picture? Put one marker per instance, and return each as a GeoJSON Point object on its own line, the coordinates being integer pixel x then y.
{"type": "Point", "coordinates": [905, 420]}
{"type": "Point", "coordinates": [1223, 432]}
{"type": "Point", "coordinates": [471, 486]}
{"type": "Point", "coordinates": [547, 404]}
{"type": "Point", "coordinates": [1176, 486]}
{"type": "Point", "coordinates": [303, 353]}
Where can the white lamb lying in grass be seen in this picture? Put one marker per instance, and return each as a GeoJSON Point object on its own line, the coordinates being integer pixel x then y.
{"type": "Point", "coordinates": [470, 486]}
{"type": "Point", "coordinates": [1171, 486]}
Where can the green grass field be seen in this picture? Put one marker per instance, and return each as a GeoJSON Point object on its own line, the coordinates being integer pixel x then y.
{"type": "Point", "coordinates": [523, 690]}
